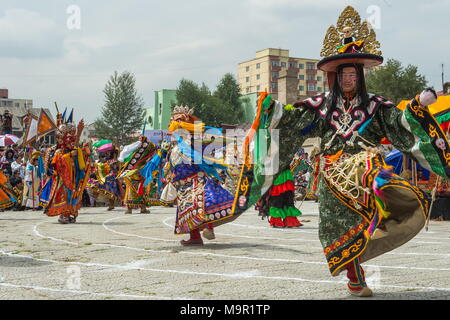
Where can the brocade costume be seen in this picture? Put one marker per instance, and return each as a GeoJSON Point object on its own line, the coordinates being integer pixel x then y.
{"type": "Point", "coordinates": [202, 203]}
{"type": "Point", "coordinates": [134, 158]}
{"type": "Point", "coordinates": [67, 166]}
{"type": "Point", "coordinates": [105, 188]}
{"type": "Point", "coordinates": [365, 209]}
{"type": "Point", "coordinates": [7, 197]}
{"type": "Point", "coordinates": [32, 183]}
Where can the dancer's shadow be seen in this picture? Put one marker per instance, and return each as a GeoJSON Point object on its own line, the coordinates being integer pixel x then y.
{"type": "Point", "coordinates": [21, 262]}
{"type": "Point", "coordinates": [16, 219]}
{"type": "Point", "coordinates": [97, 223]}
{"type": "Point", "coordinates": [249, 247]}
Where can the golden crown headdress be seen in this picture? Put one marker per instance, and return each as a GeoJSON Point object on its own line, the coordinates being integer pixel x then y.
{"type": "Point", "coordinates": [183, 110]}
{"type": "Point", "coordinates": [361, 31]}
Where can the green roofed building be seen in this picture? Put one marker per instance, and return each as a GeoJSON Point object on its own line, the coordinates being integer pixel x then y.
{"type": "Point", "coordinates": [158, 115]}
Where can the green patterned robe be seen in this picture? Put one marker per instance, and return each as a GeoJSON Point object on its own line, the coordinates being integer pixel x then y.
{"type": "Point", "coordinates": [344, 230]}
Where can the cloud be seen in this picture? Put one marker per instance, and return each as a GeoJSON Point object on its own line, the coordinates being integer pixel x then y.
{"type": "Point", "coordinates": [27, 34]}
{"type": "Point", "coordinates": [298, 4]}
{"type": "Point", "coordinates": [162, 42]}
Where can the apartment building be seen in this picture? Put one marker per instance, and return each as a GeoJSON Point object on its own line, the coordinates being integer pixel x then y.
{"type": "Point", "coordinates": [263, 72]}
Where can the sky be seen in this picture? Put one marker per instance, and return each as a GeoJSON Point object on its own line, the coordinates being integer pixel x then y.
{"type": "Point", "coordinates": [66, 50]}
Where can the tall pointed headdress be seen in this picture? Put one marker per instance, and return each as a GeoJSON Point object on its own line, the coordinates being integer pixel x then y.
{"type": "Point", "coordinates": [350, 42]}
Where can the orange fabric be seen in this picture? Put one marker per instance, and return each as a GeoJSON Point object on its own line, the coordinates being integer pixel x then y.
{"type": "Point", "coordinates": [336, 156]}
{"type": "Point", "coordinates": [191, 127]}
{"type": "Point", "coordinates": [3, 178]}
{"type": "Point", "coordinates": [442, 103]}
{"type": "Point", "coordinates": [254, 127]}
{"type": "Point", "coordinates": [45, 123]}
{"type": "Point", "coordinates": [65, 168]}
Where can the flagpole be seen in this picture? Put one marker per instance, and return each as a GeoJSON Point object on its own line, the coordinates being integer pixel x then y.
{"type": "Point", "coordinates": [32, 185]}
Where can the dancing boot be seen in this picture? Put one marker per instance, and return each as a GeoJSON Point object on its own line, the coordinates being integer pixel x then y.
{"type": "Point", "coordinates": [63, 219]}
{"type": "Point", "coordinates": [144, 210]}
{"type": "Point", "coordinates": [208, 232]}
{"type": "Point", "coordinates": [357, 283]}
{"type": "Point", "coordinates": [111, 205]}
{"type": "Point", "coordinates": [292, 222]}
{"type": "Point", "coordinates": [195, 239]}
{"type": "Point", "coordinates": [276, 222]}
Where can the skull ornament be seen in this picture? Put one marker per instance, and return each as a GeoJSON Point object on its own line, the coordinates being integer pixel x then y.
{"type": "Point", "coordinates": [440, 143]}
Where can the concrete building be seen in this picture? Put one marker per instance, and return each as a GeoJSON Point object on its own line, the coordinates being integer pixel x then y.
{"type": "Point", "coordinates": [158, 115]}
{"type": "Point", "coordinates": [19, 108]}
{"type": "Point", "coordinates": [7, 102]}
{"type": "Point", "coordinates": [270, 66]}
{"type": "Point", "coordinates": [87, 133]}
{"type": "Point", "coordinates": [287, 79]}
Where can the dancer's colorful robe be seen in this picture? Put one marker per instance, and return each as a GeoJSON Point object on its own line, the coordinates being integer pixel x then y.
{"type": "Point", "coordinates": [135, 157]}
{"type": "Point", "coordinates": [106, 186]}
{"type": "Point", "coordinates": [7, 198]}
{"type": "Point", "coordinates": [348, 219]}
{"type": "Point", "coordinates": [31, 187]}
{"type": "Point", "coordinates": [63, 191]}
{"type": "Point", "coordinates": [200, 199]}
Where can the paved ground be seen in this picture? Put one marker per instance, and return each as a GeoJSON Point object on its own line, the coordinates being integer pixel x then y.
{"type": "Point", "coordinates": [110, 255]}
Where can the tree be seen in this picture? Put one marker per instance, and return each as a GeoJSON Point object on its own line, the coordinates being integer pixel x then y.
{"type": "Point", "coordinates": [395, 82]}
{"type": "Point", "coordinates": [122, 113]}
{"type": "Point", "coordinates": [216, 108]}
{"type": "Point", "coordinates": [228, 91]}
{"type": "Point", "coordinates": [190, 94]}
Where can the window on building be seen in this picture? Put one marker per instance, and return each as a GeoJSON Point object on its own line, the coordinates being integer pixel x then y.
{"type": "Point", "coordinates": [247, 79]}
{"type": "Point", "coordinates": [310, 66]}
{"type": "Point", "coordinates": [274, 63]}
{"type": "Point", "coordinates": [17, 104]}
{"type": "Point", "coordinates": [258, 88]}
{"type": "Point", "coordinates": [258, 65]}
{"type": "Point", "coordinates": [247, 90]}
{"type": "Point", "coordinates": [309, 77]}
{"type": "Point", "coordinates": [319, 89]}
{"type": "Point", "coordinates": [301, 77]}
{"type": "Point", "coordinates": [319, 78]}
{"type": "Point", "coordinates": [274, 75]}
{"type": "Point", "coordinates": [301, 88]}
{"type": "Point", "coordinates": [301, 66]}
{"type": "Point", "coordinates": [258, 77]}
{"type": "Point", "coordinates": [283, 64]}
{"type": "Point", "coordinates": [273, 85]}
{"type": "Point", "coordinates": [292, 65]}
{"type": "Point", "coordinates": [311, 87]}
{"type": "Point", "coordinates": [247, 68]}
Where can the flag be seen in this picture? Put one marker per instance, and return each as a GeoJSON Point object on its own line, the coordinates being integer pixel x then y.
{"type": "Point", "coordinates": [32, 129]}
{"type": "Point", "coordinates": [70, 118]}
{"type": "Point", "coordinates": [45, 124]}
{"type": "Point", "coordinates": [63, 117]}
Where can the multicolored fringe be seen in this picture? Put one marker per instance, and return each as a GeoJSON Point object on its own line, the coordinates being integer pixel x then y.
{"type": "Point", "coordinates": [381, 179]}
